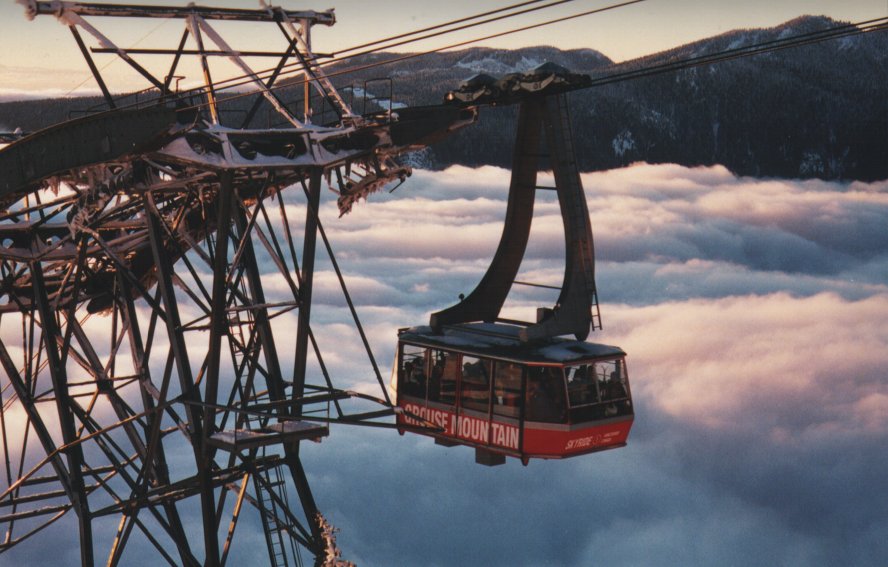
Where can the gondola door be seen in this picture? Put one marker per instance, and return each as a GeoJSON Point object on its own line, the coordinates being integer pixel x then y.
{"type": "Point", "coordinates": [473, 424]}
{"type": "Point", "coordinates": [506, 406]}
{"type": "Point", "coordinates": [427, 382]}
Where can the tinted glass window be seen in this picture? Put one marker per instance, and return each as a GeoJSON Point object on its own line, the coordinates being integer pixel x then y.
{"type": "Point", "coordinates": [413, 371]}
{"type": "Point", "coordinates": [598, 390]}
{"type": "Point", "coordinates": [614, 388]}
{"type": "Point", "coordinates": [612, 380]}
{"type": "Point", "coordinates": [507, 389]}
{"type": "Point", "coordinates": [475, 386]}
{"type": "Point", "coordinates": [545, 394]}
{"type": "Point", "coordinates": [442, 376]}
{"type": "Point", "coordinates": [582, 384]}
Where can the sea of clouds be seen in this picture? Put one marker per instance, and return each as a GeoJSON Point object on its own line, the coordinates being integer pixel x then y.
{"type": "Point", "coordinates": [755, 316]}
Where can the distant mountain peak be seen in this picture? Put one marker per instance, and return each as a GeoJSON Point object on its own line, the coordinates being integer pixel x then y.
{"type": "Point", "coordinates": [809, 23]}
{"type": "Point", "coordinates": [503, 62]}
{"type": "Point", "coordinates": [495, 65]}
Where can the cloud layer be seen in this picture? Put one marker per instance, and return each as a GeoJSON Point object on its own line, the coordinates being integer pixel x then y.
{"type": "Point", "coordinates": [754, 314]}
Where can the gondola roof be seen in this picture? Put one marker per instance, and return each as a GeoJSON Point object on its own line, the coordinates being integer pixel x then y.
{"type": "Point", "coordinates": [500, 341]}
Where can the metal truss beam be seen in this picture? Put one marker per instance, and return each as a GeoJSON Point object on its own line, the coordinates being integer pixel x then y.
{"type": "Point", "coordinates": [209, 13]}
{"type": "Point", "coordinates": [66, 408]}
{"type": "Point", "coordinates": [186, 381]}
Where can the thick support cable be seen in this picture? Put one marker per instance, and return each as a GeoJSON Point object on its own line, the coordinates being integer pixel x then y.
{"type": "Point", "coordinates": [234, 81]}
{"type": "Point", "coordinates": [438, 27]}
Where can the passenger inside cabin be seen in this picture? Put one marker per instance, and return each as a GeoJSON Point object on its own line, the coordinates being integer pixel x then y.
{"type": "Point", "coordinates": [615, 392]}
{"type": "Point", "coordinates": [499, 396]}
{"type": "Point", "coordinates": [615, 389]}
{"type": "Point", "coordinates": [415, 377]}
{"type": "Point", "coordinates": [408, 372]}
{"type": "Point", "coordinates": [545, 394]}
{"type": "Point", "coordinates": [475, 388]}
{"type": "Point", "coordinates": [448, 380]}
{"type": "Point", "coordinates": [581, 384]}
{"type": "Point", "coordinates": [506, 389]}
{"type": "Point", "coordinates": [435, 379]}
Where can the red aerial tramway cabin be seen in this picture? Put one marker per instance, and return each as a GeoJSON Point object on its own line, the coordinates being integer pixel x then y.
{"type": "Point", "coordinates": [479, 385]}
{"type": "Point", "coordinates": [521, 389]}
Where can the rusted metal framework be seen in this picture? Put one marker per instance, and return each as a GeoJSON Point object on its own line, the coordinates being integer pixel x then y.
{"type": "Point", "coordinates": [154, 385]}
{"type": "Point", "coordinates": [136, 327]}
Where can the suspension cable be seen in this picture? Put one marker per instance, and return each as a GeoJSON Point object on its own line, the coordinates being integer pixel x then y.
{"type": "Point", "coordinates": [297, 67]}
{"type": "Point", "coordinates": [843, 30]}
{"type": "Point", "coordinates": [809, 38]}
{"type": "Point", "coordinates": [434, 50]}
{"type": "Point", "coordinates": [435, 27]}
{"type": "Point", "coordinates": [460, 28]}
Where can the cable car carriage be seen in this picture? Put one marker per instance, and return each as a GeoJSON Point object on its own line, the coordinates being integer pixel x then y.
{"type": "Point", "coordinates": [516, 388]}
{"type": "Point", "coordinates": [479, 385]}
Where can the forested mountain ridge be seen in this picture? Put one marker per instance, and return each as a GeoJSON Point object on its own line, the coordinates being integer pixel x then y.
{"type": "Point", "coordinates": [814, 111]}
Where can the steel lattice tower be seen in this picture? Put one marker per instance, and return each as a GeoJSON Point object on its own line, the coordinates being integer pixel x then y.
{"type": "Point", "coordinates": [154, 387]}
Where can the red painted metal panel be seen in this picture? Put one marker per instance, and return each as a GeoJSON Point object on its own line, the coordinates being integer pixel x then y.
{"type": "Point", "coordinates": [547, 440]}
{"type": "Point", "coordinates": [543, 440]}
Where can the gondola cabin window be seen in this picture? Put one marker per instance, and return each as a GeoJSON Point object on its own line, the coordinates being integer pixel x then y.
{"type": "Point", "coordinates": [475, 384]}
{"type": "Point", "coordinates": [507, 389]}
{"type": "Point", "coordinates": [414, 364]}
{"type": "Point", "coordinates": [545, 394]}
{"type": "Point", "coordinates": [598, 389]}
{"type": "Point", "coordinates": [443, 376]}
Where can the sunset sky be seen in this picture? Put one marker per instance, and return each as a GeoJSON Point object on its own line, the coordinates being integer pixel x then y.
{"type": "Point", "coordinates": [754, 313]}
{"type": "Point", "coordinates": [41, 57]}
